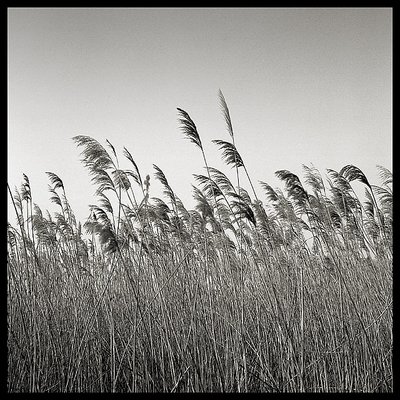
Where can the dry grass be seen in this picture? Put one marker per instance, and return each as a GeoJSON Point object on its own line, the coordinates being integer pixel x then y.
{"type": "Point", "coordinates": [293, 295]}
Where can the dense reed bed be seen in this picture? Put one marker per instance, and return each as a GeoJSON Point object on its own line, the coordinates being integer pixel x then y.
{"type": "Point", "coordinates": [287, 290]}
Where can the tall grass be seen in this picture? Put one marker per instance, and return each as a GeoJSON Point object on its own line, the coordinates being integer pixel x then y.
{"type": "Point", "coordinates": [288, 291]}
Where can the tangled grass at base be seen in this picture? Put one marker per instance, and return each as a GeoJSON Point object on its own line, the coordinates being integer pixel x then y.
{"type": "Point", "coordinates": [290, 291]}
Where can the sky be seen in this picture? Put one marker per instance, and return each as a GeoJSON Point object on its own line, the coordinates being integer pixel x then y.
{"type": "Point", "coordinates": [302, 85]}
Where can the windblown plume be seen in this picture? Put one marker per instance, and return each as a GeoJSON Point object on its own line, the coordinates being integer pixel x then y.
{"type": "Point", "coordinates": [112, 148]}
{"type": "Point", "coordinates": [167, 189]}
{"type": "Point", "coordinates": [385, 175]}
{"type": "Point", "coordinates": [26, 189]}
{"type": "Point", "coordinates": [121, 179]}
{"type": "Point", "coordinates": [230, 155]}
{"type": "Point", "coordinates": [338, 180]}
{"type": "Point", "coordinates": [352, 173]}
{"type": "Point", "coordinates": [161, 209]}
{"type": "Point", "coordinates": [135, 174]}
{"type": "Point", "coordinates": [55, 180]}
{"type": "Point", "coordinates": [225, 112]}
{"type": "Point", "coordinates": [210, 187]}
{"type": "Point", "coordinates": [294, 186]}
{"type": "Point", "coordinates": [94, 155]}
{"type": "Point", "coordinates": [188, 128]}
{"type": "Point", "coordinates": [103, 180]}
{"type": "Point", "coordinates": [313, 178]}
{"type": "Point", "coordinates": [202, 206]}
{"type": "Point", "coordinates": [55, 198]}
{"type": "Point", "coordinates": [100, 224]}
{"type": "Point", "coordinates": [243, 210]}
{"type": "Point", "coordinates": [271, 194]}
{"type": "Point", "coordinates": [221, 180]}
{"type": "Point", "coordinates": [105, 203]}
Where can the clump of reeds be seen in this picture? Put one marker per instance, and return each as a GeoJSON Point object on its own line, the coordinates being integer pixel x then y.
{"type": "Point", "coordinates": [286, 291]}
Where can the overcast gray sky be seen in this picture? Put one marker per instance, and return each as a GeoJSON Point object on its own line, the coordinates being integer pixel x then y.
{"type": "Point", "coordinates": [303, 86]}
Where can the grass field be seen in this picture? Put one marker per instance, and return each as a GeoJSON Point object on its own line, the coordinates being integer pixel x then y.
{"type": "Point", "coordinates": [286, 291]}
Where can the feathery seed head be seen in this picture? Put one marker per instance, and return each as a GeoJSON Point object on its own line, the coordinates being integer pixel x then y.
{"type": "Point", "coordinates": [188, 128]}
